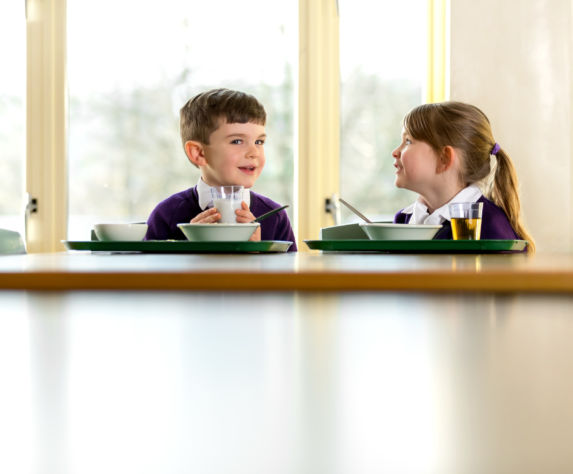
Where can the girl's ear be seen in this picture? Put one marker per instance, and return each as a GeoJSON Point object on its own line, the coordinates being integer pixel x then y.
{"type": "Point", "coordinates": [447, 159]}
{"type": "Point", "coordinates": [195, 153]}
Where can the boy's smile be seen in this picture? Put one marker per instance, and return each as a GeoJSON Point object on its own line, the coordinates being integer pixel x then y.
{"type": "Point", "coordinates": [235, 155]}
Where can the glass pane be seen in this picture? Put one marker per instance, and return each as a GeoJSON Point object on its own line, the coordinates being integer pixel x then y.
{"type": "Point", "coordinates": [383, 70]}
{"type": "Point", "coordinates": [12, 115]}
{"type": "Point", "coordinates": [126, 89]}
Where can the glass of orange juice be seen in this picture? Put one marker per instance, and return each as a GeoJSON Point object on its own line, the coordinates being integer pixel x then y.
{"type": "Point", "coordinates": [466, 220]}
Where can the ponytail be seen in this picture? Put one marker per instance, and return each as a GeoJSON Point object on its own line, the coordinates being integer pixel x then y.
{"type": "Point", "coordinates": [504, 193]}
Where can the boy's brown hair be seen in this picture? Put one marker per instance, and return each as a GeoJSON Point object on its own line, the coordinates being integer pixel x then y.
{"type": "Point", "coordinates": [200, 116]}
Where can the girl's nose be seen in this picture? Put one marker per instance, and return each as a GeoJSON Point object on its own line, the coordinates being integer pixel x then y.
{"type": "Point", "coordinates": [396, 152]}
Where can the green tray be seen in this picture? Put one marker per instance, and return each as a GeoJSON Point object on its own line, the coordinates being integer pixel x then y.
{"type": "Point", "coordinates": [180, 246]}
{"type": "Point", "coordinates": [419, 246]}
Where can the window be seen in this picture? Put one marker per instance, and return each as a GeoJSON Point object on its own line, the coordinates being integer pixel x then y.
{"type": "Point", "coordinates": [130, 72]}
{"type": "Point", "coordinates": [12, 115]}
{"type": "Point", "coordinates": [126, 89]}
{"type": "Point", "coordinates": [383, 72]}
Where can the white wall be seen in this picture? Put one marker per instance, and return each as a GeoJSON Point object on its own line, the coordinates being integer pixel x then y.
{"type": "Point", "coordinates": [514, 60]}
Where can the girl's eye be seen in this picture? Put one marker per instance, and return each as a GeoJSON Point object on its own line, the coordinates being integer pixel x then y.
{"type": "Point", "coordinates": [236, 141]}
{"type": "Point", "coordinates": [259, 142]}
{"type": "Point", "coordinates": [407, 141]}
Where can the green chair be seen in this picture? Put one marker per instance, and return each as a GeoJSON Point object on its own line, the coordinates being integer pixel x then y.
{"type": "Point", "coordinates": [11, 242]}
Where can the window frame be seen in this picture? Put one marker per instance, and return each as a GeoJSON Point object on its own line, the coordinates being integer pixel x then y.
{"type": "Point", "coordinates": [318, 116]}
{"type": "Point", "coordinates": [438, 53]}
{"type": "Point", "coordinates": [46, 120]}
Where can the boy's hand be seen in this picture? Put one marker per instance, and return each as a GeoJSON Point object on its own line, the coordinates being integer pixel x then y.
{"type": "Point", "coordinates": [209, 216]}
{"type": "Point", "coordinates": [244, 215]}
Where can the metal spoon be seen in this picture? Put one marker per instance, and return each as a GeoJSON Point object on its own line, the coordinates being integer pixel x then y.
{"type": "Point", "coordinates": [268, 214]}
{"type": "Point", "coordinates": [355, 211]}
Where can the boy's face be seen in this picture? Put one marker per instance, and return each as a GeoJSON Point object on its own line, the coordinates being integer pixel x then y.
{"type": "Point", "coordinates": [235, 155]}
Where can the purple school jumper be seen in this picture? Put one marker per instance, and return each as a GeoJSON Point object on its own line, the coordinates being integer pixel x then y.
{"type": "Point", "coordinates": [494, 224]}
{"type": "Point", "coordinates": [183, 206]}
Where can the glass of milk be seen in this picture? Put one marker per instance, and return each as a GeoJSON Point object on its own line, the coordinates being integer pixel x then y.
{"type": "Point", "coordinates": [227, 199]}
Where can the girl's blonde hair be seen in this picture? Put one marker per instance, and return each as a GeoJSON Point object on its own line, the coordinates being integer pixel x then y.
{"type": "Point", "coordinates": [467, 129]}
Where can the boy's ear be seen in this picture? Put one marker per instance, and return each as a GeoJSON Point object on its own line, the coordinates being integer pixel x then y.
{"type": "Point", "coordinates": [447, 159]}
{"type": "Point", "coordinates": [195, 152]}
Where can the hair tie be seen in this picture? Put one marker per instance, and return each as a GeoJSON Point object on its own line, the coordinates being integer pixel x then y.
{"type": "Point", "coordinates": [495, 149]}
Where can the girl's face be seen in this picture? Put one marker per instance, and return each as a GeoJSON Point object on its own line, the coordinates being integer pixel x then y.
{"type": "Point", "coordinates": [416, 165]}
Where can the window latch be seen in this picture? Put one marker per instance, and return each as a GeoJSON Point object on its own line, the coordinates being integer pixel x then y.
{"type": "Point", "coordinates": [32, 206]}
{"type": "Point", "coordinates": [332, 206]}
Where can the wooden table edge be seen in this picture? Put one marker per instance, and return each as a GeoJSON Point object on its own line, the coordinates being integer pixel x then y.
{"type": "Point", "coordinates": [490, 281]}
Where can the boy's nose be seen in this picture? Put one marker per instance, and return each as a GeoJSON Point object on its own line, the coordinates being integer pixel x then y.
{"type": "Point", "coordinates": [396, 152]}
{"type": "Point", "coordinates": [253, 151]}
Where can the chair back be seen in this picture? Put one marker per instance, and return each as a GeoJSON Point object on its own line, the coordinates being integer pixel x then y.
{"type": "Point", "coordinates": [11, 242]}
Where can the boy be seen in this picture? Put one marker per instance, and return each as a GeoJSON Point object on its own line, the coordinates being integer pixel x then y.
{"type": "Point", "coordinates": [223, 134]}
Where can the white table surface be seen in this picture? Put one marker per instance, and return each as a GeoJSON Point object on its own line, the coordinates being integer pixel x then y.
{"type": "Point", "coordinates": [285, 382]}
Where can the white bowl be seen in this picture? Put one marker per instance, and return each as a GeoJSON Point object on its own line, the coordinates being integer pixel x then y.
{"type": "Point", "coordinates": [218, 232]}
{"type": "Point", "coordinates": [125, 232]}
{"type": "Point", "coordinates": [400, 231]}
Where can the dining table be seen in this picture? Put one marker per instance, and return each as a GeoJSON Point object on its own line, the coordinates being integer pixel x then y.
{"type": "Point", "coordinates": [308, 362]}
{"type": "Point", "coordinates": [302, 271]}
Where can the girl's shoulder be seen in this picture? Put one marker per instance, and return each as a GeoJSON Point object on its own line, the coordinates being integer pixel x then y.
{"type": "Point", "coordinates": [491, 208]}
{"type": "Point", "coordinates": [495, 224]}
{"type": "Point", "coordinates": [402, 217]}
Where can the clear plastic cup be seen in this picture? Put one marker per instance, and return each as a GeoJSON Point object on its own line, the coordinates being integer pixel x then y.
{"type": "Point", "coordinates": [466, 220]}
{"type": "Point", "coordinates": [227, 199]}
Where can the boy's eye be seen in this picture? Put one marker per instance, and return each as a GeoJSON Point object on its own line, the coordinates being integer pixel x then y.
{"type": "Point", "coordinates": [236, 141]}
{"type": "Point", "coordinates": [407, 141]}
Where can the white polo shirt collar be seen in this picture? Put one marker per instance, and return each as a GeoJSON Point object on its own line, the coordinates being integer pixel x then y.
{"type": "Point", "coordinates": [420, 213]}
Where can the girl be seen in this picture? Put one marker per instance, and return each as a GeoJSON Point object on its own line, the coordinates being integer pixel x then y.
{"type": "Point", "coordinates": [448, 154]}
